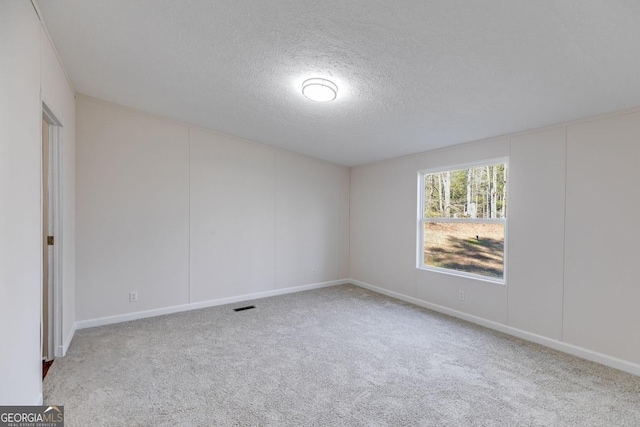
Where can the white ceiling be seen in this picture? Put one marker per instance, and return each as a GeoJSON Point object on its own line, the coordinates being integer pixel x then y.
{"type": "Point", "coordinates": [413, 75]}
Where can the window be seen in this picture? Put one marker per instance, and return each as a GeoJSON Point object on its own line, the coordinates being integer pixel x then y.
{"type": "Point", "coordinates": [463, 220]}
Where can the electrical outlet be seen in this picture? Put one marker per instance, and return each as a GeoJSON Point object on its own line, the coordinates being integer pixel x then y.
{"type": "Point", "coordinates": [133, 296]}
{"type": "Point", "coordinates": [313, 273]}
{"type": "Point", "coordinates": [461, 295]}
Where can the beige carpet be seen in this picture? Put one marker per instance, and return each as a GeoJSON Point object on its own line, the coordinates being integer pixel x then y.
{"type": "Point", "coordinates": [340, 356]}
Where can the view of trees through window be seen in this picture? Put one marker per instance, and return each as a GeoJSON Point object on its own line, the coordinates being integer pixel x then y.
{"type": "Point", "coordinates": [464, 219]}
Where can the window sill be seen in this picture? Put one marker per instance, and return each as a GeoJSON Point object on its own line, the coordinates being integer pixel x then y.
{"type": "Point", "coordinates": [499, 282]}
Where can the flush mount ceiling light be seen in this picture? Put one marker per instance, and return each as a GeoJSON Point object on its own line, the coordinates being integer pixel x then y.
{"type": "Point", "coordinates": [321, 90]}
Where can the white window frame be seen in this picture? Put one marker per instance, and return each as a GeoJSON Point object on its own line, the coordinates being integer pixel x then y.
{"type": "Point", "coordinates": [422, 220]}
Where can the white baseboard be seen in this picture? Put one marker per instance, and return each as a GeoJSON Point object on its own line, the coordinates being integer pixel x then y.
{"type": "Point", "coordinates": [584, 353]}
{"type": "Point", "coordinates": [194, 306]}
{"type": "Point", "coordinates": [62, 349]}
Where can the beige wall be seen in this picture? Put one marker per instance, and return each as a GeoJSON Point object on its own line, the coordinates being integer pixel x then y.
{"type": "Point", "coordinates": [577, 293]}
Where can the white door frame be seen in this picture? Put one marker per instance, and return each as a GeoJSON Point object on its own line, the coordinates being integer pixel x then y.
{"type": "Point", "coordinates": [56, 343]}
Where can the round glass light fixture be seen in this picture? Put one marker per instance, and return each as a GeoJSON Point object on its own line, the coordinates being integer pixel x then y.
{"type": "Point", "coordinates": [320, 90]}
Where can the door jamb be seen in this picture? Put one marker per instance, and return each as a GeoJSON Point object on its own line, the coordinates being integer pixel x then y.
{"type": "Point", "coordinates": [56, 343]}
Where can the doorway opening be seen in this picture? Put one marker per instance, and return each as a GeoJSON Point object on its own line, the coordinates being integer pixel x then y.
{"type": "Point", "coordinates": [51, 320]}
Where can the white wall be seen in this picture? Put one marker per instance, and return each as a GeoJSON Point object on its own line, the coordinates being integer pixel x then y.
{"type": "Point", "coordinates": [185, 216]}
{"type": "Point", "coordinates": [311, 231]}
{"type": "Point", "coordinates": [29, 66]}
{"type": "Point", "coordinates": [20, 241]}
{"type": "Point", "coordinates": [586, 304]}
{"type": "Point", "coordinates": [132, 211]}
{"type": "Point", "coordinates": [232, 217]}
{"type": "Point", "coordinates": [536, 232]}
{"type": "Point", "coordinates": [383, 212]}
{"type": "Point", "coordinates": [602, 282]}
{"type": "Point", "coordinates": [59, 97]}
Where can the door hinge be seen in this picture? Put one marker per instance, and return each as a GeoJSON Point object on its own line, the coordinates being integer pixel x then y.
{"type": "Point", "coordinates": [50, 240]}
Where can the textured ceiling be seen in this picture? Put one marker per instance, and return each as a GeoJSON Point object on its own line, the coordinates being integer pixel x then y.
{"type": "Point", "coordinates": [412, 74]}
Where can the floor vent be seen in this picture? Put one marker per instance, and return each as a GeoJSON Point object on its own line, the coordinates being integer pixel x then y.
{"type": "Point", "coordinates": [249, 307]}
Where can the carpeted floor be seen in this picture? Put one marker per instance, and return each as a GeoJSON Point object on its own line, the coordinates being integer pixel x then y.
{"type": "Point", "coordinates": [340, 356]}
